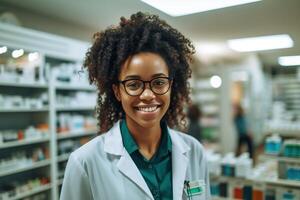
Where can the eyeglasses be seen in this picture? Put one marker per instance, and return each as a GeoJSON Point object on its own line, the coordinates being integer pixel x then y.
{"type": "Point", "coordinates": [135, 87]}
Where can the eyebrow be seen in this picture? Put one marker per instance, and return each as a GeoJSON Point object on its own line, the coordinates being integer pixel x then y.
{"type": "Point", "coordinates": [138, 77]}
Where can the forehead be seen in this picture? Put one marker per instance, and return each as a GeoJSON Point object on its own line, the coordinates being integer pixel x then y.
{"type": "Point", "coordinates": [144, 65]}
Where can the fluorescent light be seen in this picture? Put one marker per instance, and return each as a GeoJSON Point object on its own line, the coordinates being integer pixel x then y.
{"type": "Point", "coordinates": [3, 49]}
{"type": "Point", "coordinates": [17, 53]}
{"type": "Point", "coordinates": [261, 43]}
{"type": "Point", "coordinates": [215, 81]}
{"type": "Point", "coordinates": [289, 60]}
{"type": "Point", "coordinates": [33, 56]}
{"type": "Point", "coordinates": [185, 7]}
{"type": "Point", "coordinates": [210, 48]}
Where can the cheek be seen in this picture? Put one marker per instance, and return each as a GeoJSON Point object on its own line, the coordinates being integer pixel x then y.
{"type": "Point", "coordinates": [126, 102]}
{"type": "Point", "coordinates": [167, 100]}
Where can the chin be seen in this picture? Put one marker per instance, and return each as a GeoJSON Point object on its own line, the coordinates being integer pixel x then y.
{"type": "Point", "coordinates": [148, 124]}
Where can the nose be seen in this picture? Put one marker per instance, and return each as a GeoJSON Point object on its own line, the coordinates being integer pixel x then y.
{"type": "Point", "coordinates": [147, 94]}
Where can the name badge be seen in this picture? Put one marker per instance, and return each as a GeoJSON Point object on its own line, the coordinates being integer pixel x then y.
{"type": "Point", "coordinates": [193, 188]}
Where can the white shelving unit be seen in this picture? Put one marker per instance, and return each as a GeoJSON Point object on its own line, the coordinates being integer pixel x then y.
{"type": "Point", "coordinates": [208, 98]}
{"type": "Point", "coordinates": [53, 50]}
{"type": "Point", "coordinates": [78, 108]}
{"type": "Point", "coordinates": [285, 110]}
{"type": "Point", "coordinates": [74, 134]}
{"type": "Point", "coordinates": [279, 158]}
{"type": "Point", "coordinates": [22, 110]}
{"type": "Point", "coordinates": [32, 192]}
{"type": "Point", "coordinates": [24, 142]}
{"type": "Point", "coordinates": [24, 168]}
{"type": "Point", "coordinates": [262, 185]}
{"type": "Point", "coordinates": [24, 85]}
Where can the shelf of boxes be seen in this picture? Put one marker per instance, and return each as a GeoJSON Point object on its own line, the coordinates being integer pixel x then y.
{"type": "Point", "coordinates": [31, 192]}
{"type": "Point", "coordinates": [23, 142]}
{"type": "Point", "coordinates": [283, 182]}
{"type": "Point", "coordinates": [285, 110]}
{"type": "Point", "coordinates": [24, 85]}
{"type": "Point", "coordinates": [257, 188]}
{"type": "Point", "coordinates": [279, 158]}
{"type": "Point", "coordinates": [54, 54]}
{"type": "Point", "coordinates": [63, 157]}
{"type": "Point", "coordinates": [263, 180]}
{"type": "Point", "coordinates": [232, 177]}
{"type": "Point", "coordinates": [204, 95]}
{"type": "Point", "coordinates": [75, 87]}
{"type": "Point", "coordinates": [25, 110]}
{"type": "Point", "coordinates": [74, 134]}
{"type": "Point", "coordinates": [25, 167]}
{"type": "Point", "coordinates": [78, 108]}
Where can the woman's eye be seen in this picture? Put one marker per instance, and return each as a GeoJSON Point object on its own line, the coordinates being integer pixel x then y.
{"type": "Point", "coordinates": [159, 82]}
{"type": "Point", "coordinates": [133, 85]}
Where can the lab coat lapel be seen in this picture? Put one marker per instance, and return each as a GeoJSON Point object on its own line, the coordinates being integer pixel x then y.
{"type": "Point", "coordinates": [114, 145]}
{"type": "Point", "coordinates": [130, 170]}
{"type": "Point", "coordinates": [179, 164]}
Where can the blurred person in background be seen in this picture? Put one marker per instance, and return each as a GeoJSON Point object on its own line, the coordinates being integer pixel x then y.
{"type": "Point", "coordinates": [244, 136]}
{"type": "Point", "coordinates": [194, 115]}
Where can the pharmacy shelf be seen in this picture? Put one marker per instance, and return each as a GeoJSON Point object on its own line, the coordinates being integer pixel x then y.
{"type": "Point", "coordinates": [270, 181]}
{"type": "Point", "coordinates": [232, 178]}
{"type": "Point", "coordinates": [23, 142]}
{"type": "Point", "coordinates": [221, 198]}
{"type": "Point", "coordinates": [73, 134]}
{"type": "Point", "coordinates": [54, 52]}
{"type": "Point", "coordinates": [79, 108]}
{"type": "Point", "coordinates": [25, 168]}
{"type": "Point", "coordinates": [26, 110]}
{"type": "Point", "coordinates": [284, 132]}
{"type": "Point", "coordinates": [32, 192]}
{"type": "Point", "coordinates": [63, 157]}
{"type": "Point", "coordinates": [75, 87]}
{"type": "Point", "coordinates": [24, 85]}
{"type": "Point", "coordinates": [279, 158]}
{"type": "Point", "coordinates": [282, 182]}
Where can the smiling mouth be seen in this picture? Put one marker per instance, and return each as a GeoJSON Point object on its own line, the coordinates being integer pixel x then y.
{"type": "Point", "coordinates": [148, 109]}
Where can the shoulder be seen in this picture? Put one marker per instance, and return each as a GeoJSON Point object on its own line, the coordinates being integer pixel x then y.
{"type": "Point", "coordinates": [195, 147]}
{"type": "Point", "coordinates": [89, 151]}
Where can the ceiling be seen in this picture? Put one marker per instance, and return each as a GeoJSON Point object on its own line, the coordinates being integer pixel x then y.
{"type": "Point", "coordinates": [266, 17]}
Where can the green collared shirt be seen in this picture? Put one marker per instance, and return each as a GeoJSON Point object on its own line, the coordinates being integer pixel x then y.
{"type": "Point", "coordinates": [157, 172]}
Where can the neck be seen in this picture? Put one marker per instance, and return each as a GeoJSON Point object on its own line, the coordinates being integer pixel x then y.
{"type": "Point", "coordinates": [148, 139]}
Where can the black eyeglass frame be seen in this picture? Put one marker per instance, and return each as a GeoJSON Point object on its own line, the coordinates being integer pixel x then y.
{"type": "Point", "coordinates": [144, 85]}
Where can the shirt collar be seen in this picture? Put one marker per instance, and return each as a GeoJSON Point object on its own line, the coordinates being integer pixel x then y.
{"type": "Point", "coordinates": [128, 141]}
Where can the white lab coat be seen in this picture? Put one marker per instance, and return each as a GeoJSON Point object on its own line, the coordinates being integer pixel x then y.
{"type": "Point", "coordinates": [103, 170]}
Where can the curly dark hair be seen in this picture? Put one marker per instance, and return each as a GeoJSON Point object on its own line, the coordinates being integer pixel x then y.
{"type": "Point", "coordinates": [141, 33]}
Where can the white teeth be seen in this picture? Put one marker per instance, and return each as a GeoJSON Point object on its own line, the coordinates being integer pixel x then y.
{"type": "Point", "coordinates": [147, 109]}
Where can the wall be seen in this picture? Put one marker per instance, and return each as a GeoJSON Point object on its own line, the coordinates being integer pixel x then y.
{"type": "Point", "coordinates": [43, 23]}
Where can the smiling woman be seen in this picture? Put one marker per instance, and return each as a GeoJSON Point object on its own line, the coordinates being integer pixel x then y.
{"type": "Point", "coordinates": [141, 68]}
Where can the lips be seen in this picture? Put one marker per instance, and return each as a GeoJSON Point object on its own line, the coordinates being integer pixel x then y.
{"type": "Point", "coordinates": [149, 108]}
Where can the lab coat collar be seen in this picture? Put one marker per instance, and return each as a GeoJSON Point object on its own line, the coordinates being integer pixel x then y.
{"type": "Point", "coordinates": [179, 163]}
{"type": "Point", "coordinates": [113, 144]}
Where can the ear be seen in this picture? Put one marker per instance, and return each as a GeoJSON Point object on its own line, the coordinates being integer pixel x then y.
{"type": "Point", "coordinates": [116, 90]}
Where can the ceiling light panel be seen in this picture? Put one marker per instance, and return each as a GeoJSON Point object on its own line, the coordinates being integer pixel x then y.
{"type": "Point", "coordinates": [185, 7]}
{"type": "Point", "coordinates": [289, 60]}
{"type": "Point", "coordinates": [261, 43]}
